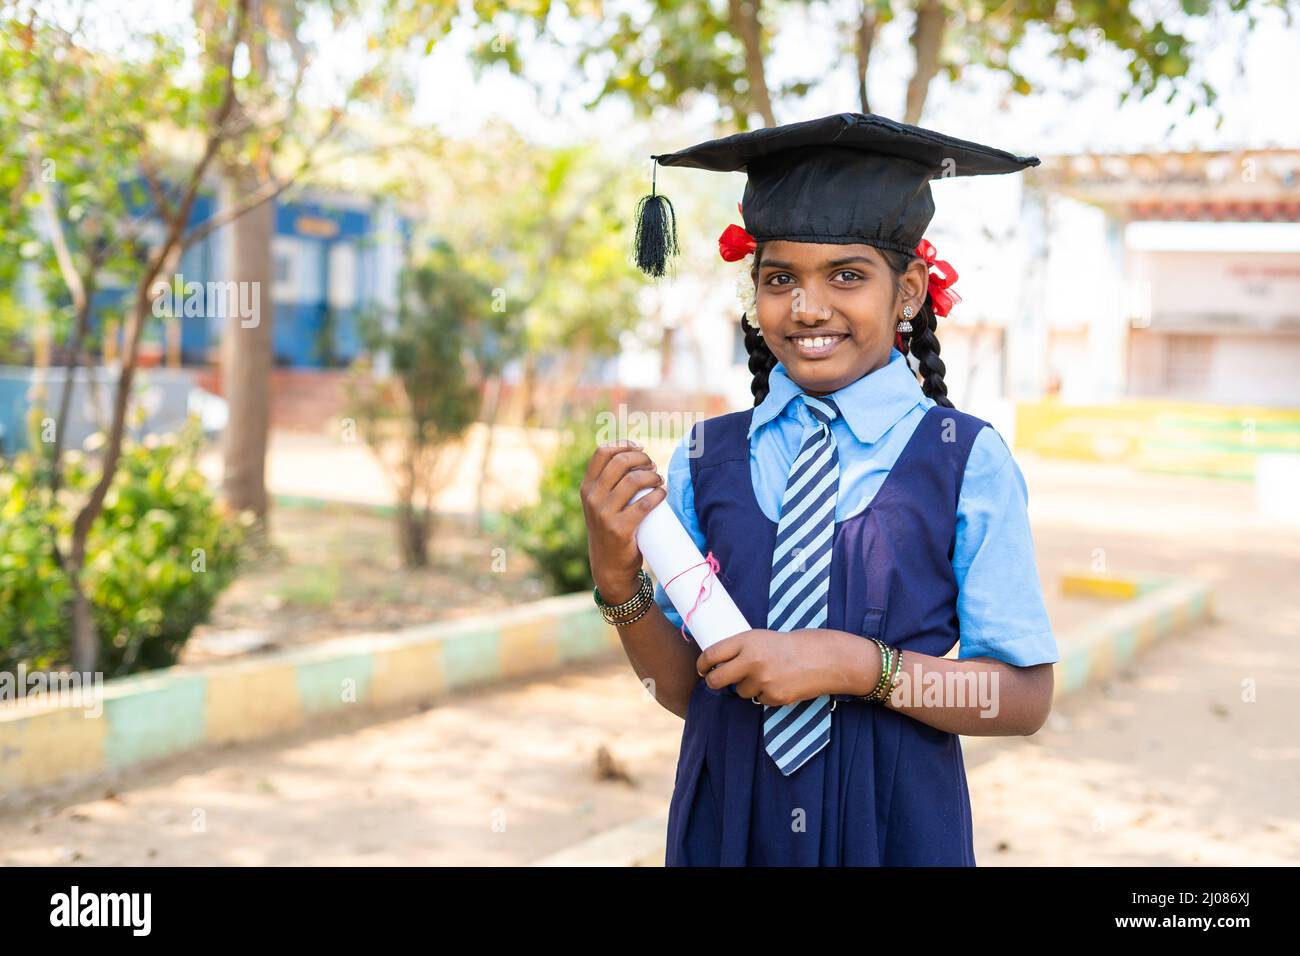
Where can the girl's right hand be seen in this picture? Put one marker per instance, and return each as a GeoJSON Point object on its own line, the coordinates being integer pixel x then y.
{"type": "Point", "coordinates": [617, 471]}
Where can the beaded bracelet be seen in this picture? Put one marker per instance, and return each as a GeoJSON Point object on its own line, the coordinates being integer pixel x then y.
{"type": "Point", "coordinates": [640, 614]}
{"type": "Point", "coordinates": [639, 603]}
{"type": "Point", "coordinates": [886, 659]}
{"type": "Point", "coordinates": [636, 605]}
{"type": "Point", "coordinates": [642, 580]}
{"type": "Point", "coordinates": [637, 613]}
{"type": "Point", "coordinates": [893, 678]}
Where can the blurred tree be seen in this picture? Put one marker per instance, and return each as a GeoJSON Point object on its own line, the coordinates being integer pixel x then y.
{"type": "Point", "coordinates": [543, 230]}
{"type": "Point", "coordinates": [106, 139]}
{"type": "Point", "coordinates": [78, 121]}
{"type": "Point", "coordinates": [414, 419]}
{"type": "Point", "coordinates": [15, 222]}
{"type": "Point", "coordinates": [276, 124]}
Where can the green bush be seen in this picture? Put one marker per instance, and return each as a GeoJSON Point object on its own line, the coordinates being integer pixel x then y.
{"type": "Point", "coordinates": [553, 532]}
{"type": "Point", "coordinates": [158, 556]}
{"type": "Point", "coordinates": [13, 319]}
{"type": "Point", "coordinates": [161, 554]}
{"type": "Point", "coordinates": [34, 621]}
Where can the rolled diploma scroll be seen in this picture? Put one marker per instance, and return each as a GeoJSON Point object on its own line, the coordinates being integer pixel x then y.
{"type": "Point", "coordinates": [669, 551]}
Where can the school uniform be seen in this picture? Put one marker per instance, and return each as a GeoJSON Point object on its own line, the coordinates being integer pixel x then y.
{"type": "Point", "coordinates": [926, 547]}
{"type": "Point", "coordinates": [932, 550]}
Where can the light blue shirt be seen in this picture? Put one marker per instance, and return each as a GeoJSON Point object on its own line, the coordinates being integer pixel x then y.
{"type": "Point", "coordinates": [1000, 607]}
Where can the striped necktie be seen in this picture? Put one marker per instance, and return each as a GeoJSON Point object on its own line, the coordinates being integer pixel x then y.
{"type": "Point", "coordinates": [798, 596]}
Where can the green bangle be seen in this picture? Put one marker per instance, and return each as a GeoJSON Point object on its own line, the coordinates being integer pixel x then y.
{"type": "Point", "coordinates": [893, 676]}
{"type": "Point", "coordinates": [886, 658]}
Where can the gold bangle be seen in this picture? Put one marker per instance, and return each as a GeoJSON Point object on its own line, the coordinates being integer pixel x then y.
{"type": "Point", "coordinates": [894, 678]}
{"type": "Point", "coordinates": [632, 620]}
{"type": "Point", "coordinates": [637, 605]}
{"type": "Point", "coordinates": [643, 579]}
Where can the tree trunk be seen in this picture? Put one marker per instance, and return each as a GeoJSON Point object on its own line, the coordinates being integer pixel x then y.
{"type": "Point", "coordinates": [744, 20]}
{"type": "Point", "coordinates": [866, 37]}
{"type": "Point", "coordinates": [413, 531]}
{"type": "Point", "coordinates": [528, 383]}
{"type": "Point", "coordinates": [80, 329]}
{"type": "Point", "coordinates": [536, 429]}
{"type": "Point", "coordinates": [246, 356]}
{"type": "Point", "coordinates": [490, 411]}
{"type": "Point", "coordinates": [85, 642]}
{"type": "Point", "coordinates": [927, 38]}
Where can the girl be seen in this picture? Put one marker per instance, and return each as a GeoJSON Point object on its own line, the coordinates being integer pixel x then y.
{"type": "Point", "coordinates": [867, 523]}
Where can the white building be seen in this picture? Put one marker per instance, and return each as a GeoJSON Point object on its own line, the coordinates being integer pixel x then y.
{"type": "Point", "coordinates": [1167, 276]}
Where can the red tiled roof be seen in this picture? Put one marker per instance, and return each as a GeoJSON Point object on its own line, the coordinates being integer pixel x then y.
{"type": "Point", "coordinates": [1216, 211]}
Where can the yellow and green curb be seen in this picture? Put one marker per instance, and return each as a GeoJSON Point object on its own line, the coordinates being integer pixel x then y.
{"type": "Point", "coordinates": [162, 713]}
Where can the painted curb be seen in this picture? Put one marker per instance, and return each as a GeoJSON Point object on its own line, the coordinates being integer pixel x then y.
{"type": "Point", "coordinates": [1105, 644]}
{"type": "Point", "coordinates": [165, 712]}
{"type": "Point", "coordinates": [1092, 653]}
{"type": "Point", "coordinates": [1108, 587]}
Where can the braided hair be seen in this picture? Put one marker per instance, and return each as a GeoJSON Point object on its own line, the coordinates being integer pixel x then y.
{"type": "Point", "coordinates": [921, 342]}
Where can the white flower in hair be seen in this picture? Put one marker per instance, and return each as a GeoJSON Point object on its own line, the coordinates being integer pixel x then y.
{"type": "Point", "coordinates": [746, 294]}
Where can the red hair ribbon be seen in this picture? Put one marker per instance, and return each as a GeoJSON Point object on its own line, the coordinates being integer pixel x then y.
{"type": "Point", "coordinates": [735, 243]}
{"type": "Point", "coordinates": [714, 567]}
{"type": "Point", "coordinates": [942, 296]}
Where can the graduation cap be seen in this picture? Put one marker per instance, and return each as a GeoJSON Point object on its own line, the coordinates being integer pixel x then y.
{"type": "Point", "coordinates": [845, 178]}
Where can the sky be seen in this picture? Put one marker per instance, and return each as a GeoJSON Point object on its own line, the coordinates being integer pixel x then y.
{"type": "Point", "coordinates": [1256, 74]}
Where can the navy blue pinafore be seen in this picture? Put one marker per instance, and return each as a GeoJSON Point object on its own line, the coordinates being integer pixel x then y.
{"type": "Point", "coordinates": [887, 790]}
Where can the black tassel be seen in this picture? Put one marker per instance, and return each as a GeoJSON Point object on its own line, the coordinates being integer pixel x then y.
{"type": "Point", "coordinates": [656, 232]}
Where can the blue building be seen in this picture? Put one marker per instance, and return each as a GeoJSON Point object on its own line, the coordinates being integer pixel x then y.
{"type": "Point", "coordinates": [335, 256]}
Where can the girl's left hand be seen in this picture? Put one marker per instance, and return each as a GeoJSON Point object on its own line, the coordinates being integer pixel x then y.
{"type": "Point", "coordinates": [784, 667]}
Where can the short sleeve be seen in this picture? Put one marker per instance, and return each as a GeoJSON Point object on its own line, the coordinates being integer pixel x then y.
{"type": "Point", "coordinates": [681, 498]}
{"type": "Point", "coordinates": [1000, 607]}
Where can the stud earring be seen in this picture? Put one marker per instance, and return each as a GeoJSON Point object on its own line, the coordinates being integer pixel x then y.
{"type": "Point", "coordinates": [905, 325]}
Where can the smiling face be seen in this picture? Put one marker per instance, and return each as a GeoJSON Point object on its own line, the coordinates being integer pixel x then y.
{"type": "Point", "coordinates": [829, 312]}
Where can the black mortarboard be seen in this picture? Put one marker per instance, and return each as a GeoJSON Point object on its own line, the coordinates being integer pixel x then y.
{"type": "Point", "coordinates": [849, 177]}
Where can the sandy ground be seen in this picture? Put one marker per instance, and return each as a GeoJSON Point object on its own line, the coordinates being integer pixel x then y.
{"type": "Point", "coordinates": [323, 465]}
{"type": "Point", "coordinates": [1189, 757]}
{"type": "Point", "coordinates": [337, 572]}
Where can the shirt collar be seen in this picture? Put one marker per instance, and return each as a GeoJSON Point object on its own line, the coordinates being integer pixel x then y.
{"type": "Point", "coordinates": [871, 405]}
